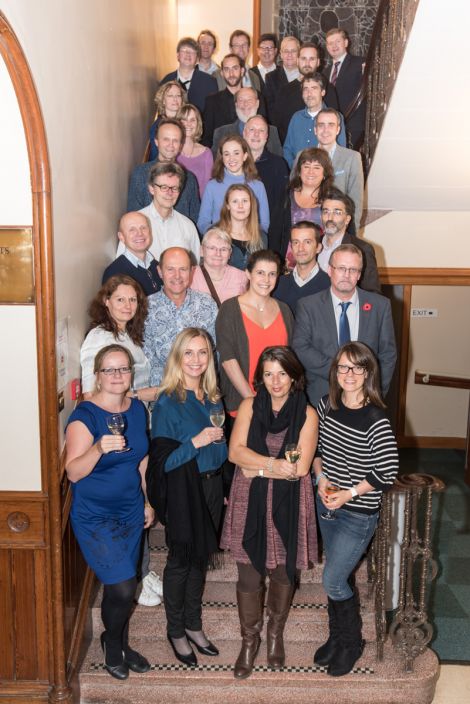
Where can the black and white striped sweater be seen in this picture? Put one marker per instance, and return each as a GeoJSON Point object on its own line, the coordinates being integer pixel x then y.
{"type": "Point", "coordinates": [357, 444]}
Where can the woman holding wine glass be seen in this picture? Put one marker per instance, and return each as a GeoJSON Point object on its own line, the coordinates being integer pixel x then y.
{"type": "Point", "coordinates": [106, 446]}
{"type": "Point", "coordinates": [270, 523]}
{"type": "Point", "coordinates": [185, 484]}
{"type": "Point", "coordinates": [356, 461]}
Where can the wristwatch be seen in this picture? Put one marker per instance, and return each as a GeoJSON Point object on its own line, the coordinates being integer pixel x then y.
{"type": "Point", "coordinates": [354, 493]}
{"type": "Point", "coordinates": [261, 473]}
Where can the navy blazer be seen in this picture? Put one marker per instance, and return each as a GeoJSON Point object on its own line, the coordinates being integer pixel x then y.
{"type": "Point", "coordinates": [347, 87]}
{"type": "Point", "coordinates": [201, 86]}
{"type": "Point", "coordinates": [316, 337]}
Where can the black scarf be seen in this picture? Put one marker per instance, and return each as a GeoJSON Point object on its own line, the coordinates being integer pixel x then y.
{"type": "Point", "coordinates": [179, 504]}
{"type": "Point", "coordinates": [285, 493]}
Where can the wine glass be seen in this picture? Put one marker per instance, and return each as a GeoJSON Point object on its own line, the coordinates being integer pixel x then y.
{"type": "Point", "coordinates": [292, 454]}
{"type": "Point", "coordinates": [217, 418]}
{"type": "Point", "coordinates": [116, 425]}
{"type": "Point", "coordinates": [330, 513]}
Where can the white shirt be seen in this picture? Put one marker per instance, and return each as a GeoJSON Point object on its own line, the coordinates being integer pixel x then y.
{"type": "Point", "coordinates": [263, 70]}
{"type": "Point", "coordinates": [176, 231]}
{"type": "Point", "coordinates": [352, 313]}
{"type": "Point", "coordinates": [210, 70]}
{"type": "Point", "coordinates": [292, 74]}
{"type": "Point", "coordinates": [324, 257]}
{"type": "Point", "coordinates": [299, 280]}
{"type": "Point", "coordinates": [145, 263]}
{"type": "Point", "coordinates": [186, 81]}
{"type": "Point", "coordinates": [99, 338]}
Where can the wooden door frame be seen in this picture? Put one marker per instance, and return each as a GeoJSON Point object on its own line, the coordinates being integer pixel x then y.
{"type": "Point", "coordinates": [35, 133]}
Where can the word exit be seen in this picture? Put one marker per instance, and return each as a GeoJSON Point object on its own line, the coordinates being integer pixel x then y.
{"type": "Point", "coordinates": [424, 312]}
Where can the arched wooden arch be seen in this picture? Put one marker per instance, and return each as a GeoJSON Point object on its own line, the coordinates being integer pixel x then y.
{"type": "Point", "coordinates": [52, 591]}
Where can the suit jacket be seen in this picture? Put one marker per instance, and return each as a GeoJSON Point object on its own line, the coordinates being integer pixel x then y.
{"type": "Point", "coordinates": [349, 177]}
{"type": "Point", "coordinates": [201, 86]}
{"type": "Point", "coordinates": [254, 78]}
{"type": "Point", "coordinates": [274, 81]}
{"type": "Point", "coordinates": [347, 86]}
{"type": "Point", "coordinates": [274, 173]}
{"type": "Point", "coordinates": [289, 100]}
{"type": "Point", "coordinates": [219, 110]}
{"type": "Point", "coordinates": [316, 338]}
{"type": "Point", "coordinates": [273, 143]}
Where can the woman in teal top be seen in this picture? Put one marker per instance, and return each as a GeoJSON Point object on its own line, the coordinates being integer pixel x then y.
{"type": "Point", "coordinates": [185, 461]}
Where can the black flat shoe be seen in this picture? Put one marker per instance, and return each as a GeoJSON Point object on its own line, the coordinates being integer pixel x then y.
{"type": "Point", "coordinates": [119, 672]}
{"type": "Point", "coordinates": [209, 649]}
{"type": "Point", "coordinates": [190, 660]}
{"type": "Point", "coordinates": [136, 662]}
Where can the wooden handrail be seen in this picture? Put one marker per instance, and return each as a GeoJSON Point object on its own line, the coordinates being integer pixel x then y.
{"type": "Point", "coordinates": [447, 380]}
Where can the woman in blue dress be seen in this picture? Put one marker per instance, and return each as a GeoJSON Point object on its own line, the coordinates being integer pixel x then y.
{"type": "Point", "coordinates": [108, 511]}
{"type": "Point", "coordinates": [184, 481]}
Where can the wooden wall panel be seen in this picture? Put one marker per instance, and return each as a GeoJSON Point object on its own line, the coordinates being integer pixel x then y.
{"type": "Point", "coordinates": [7, 639]}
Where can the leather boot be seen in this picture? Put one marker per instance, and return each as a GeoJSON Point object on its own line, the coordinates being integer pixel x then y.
{"type": "Point", "coordinates": [326, 651]}
{"type": "Point", "coordinates": [278, 605]}
{"type": "Point", "coordinates": [350, 645]}
{"type": "Point", "coordinates": [250, 611]}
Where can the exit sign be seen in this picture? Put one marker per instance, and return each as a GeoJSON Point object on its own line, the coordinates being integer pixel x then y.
{"type": "Point", "coordinates": [424, 312]}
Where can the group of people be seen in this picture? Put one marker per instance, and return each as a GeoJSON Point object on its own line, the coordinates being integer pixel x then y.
{"type": "Point", "coordinates": [238, 354]}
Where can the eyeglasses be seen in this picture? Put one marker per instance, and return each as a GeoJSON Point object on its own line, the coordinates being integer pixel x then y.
{"type": "Point", "coordinates": [116, 370]}
{"type": "Point", "coordinates": [212, 248]}
{"type": "Point", "coordinates": [343, 270]}
{"type": "Point", "coordinates": [167, 189]}
{"type": "Point", "coordinates": [356, 369]}
{"type": "Point", "coordinates": [335, 211]}
{"type": "Point", "coordinates": [267, 48]}
{"type": "Point", "coordinates": [245, 45]}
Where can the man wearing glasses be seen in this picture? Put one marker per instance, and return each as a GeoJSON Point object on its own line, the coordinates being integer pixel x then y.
{"type": "Point", "coordinates": [337, 213]}
{"type": "Point", "coordinates": [342, 313]}
{"type": "Point", "coordinates": [197, 84]}
{"type": "Point", "coordinates": [283, 74]}
{"type": "Point", "coordinates": [169, 228]}
{"type": "Point", "coordinates": [267, 51]}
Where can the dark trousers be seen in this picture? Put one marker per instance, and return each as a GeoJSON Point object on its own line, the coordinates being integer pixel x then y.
{"type": "Point", "coordinates": [183, 584]}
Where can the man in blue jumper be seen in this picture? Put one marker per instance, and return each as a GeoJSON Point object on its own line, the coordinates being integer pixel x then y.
{"type": "Point", "coordinates": [301, 133]}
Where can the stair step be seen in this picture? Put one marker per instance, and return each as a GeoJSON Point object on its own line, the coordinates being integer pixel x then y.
{"type": "Point", "coordinates": [300, 682]}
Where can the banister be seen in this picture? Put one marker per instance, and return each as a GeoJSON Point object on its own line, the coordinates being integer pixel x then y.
{"type": "Point", "coordinates": [447, 380]}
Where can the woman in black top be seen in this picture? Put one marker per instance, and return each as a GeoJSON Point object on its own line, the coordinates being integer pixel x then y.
{"type": "Point", "coordinates": [357, 455]}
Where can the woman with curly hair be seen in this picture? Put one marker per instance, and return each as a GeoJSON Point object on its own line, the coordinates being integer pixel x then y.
{"type": "Point", "coordinates": [169, 98]}
{"type": "Point", "coordinates": [312, 176]}
{"type": "Point", "coordinates": [193, 155]}
{"type": "Point", "coordinates": [117, 313]}
{"type": "Point", "coordinates": [233, 165]}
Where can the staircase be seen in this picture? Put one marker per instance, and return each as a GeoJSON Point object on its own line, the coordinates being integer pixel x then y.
{"type": "Point", "coordinates": [301, 682]}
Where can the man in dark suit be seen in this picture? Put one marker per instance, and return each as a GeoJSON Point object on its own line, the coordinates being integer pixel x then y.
{"type": "Point", "coordinates": [337, 213]}
{"type": "Point", "coordinates": [282, 74]}
{"type": "Point", "coordinates": [344, 312]}
{"type": "Point", "coordinates": [197, 84]}
{"type": "Point", "coordinates": [345, 72]}
{"type": "Point", "coordinates": [247, 104]}
{"type": "Point", "coordinates": [267, 51]}
{"type": "Point", "coordinates": [220, 107]}
{"type": "Point", "coordinates": [289, 98]}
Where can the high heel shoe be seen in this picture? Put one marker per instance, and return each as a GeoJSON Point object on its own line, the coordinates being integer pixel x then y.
{"type": "Point", "coordinates": [190, 660]}
{"type": "Point", "coordinates": [119, 672]}
{"type": "Point", "coordinates": [208, 649]}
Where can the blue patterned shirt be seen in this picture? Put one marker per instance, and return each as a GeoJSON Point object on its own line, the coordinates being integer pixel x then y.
{"type": "Point", "coordinates": [165, 320]}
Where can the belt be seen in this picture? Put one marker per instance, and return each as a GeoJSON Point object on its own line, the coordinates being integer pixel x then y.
{"type": "Point", "coordinates": [209, 475]}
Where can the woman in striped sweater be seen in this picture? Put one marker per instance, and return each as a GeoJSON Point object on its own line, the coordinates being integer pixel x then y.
{"type": "Point", "coordinates": [357, 453]}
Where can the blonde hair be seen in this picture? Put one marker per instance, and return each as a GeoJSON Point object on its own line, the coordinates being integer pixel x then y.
{"type": "Point", "coordinates": [173, 377]}
{"type": "Point", "coordinates": [217, 232]}
{"type": "Point", "coordinates": [160, 95]}
{"type": "Point", "coordinates": [184, 112]}
{"type": "Point", "coordinates": [252, 226]}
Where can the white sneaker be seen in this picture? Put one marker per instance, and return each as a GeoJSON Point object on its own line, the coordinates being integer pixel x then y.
{"type": "Point", "coordinates": [147, 596]}
{"type": "Point", "coordinates": [154, 582]}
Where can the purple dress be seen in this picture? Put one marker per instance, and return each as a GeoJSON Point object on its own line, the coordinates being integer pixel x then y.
{"type": "Point", "coordinates": [200, 166]}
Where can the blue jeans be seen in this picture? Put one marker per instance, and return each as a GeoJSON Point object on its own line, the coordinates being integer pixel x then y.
{"type": "Point", "coordinates": [345, 540]}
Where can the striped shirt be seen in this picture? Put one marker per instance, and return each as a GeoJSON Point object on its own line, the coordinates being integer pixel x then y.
{"type": "Point", "coordinates": [357, 444]}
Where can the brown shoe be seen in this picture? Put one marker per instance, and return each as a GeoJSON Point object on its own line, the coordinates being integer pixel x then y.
{"type": "Point", "coordinates": [278, 606]}
{"type": "Point", "coordinates": [250, 611]}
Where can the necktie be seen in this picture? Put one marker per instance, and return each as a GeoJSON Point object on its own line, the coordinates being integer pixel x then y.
{"type": "Point", "coordinates": [185, 84]}
{"type": "Point", "coordinates": [334, 75]}
{"type": "Point", "coordinates": [344, 331]}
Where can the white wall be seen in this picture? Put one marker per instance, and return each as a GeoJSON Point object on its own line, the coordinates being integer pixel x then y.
{"type": "Point", "coordinates": [422, 160]}
{"type": "Point", "coordinates": [93, 64]}
{"type": "Point", "coordinates": [220, 17]}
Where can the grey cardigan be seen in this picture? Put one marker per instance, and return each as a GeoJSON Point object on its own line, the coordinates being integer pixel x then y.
{"type": "Point", "coordinates": [232, 343]}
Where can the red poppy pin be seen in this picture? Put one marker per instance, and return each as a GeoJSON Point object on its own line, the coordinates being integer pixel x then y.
{"type": "Point", "coordinates": [367, 306]}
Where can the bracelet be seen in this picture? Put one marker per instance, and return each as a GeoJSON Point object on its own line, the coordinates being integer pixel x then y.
{"type": "Point", "coordinates": [261, 473]}
{"type": "Point", "coordinates": [270, 465]}
{"type": "Point", "coordinates": [147, 505]}
{"type": "Point", "coordinates": [322, 475]}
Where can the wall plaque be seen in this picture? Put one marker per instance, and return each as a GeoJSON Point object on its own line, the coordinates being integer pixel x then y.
{"type": "Point", "coordinates": [16, 265]}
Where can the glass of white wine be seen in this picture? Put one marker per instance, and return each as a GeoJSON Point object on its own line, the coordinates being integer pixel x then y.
{"type": "Point", "coordinates": [217, 418]}
{"type": "Point", "coordinates": [116, 425]}
{"type": "Point", "coordinates": [330, 513]}
{"type": "Point", "coordinates": [292, 454]}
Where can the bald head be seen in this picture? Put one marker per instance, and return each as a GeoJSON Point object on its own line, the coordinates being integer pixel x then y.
{"type": "Point", "coordinates": [246, 103]}
{"type": "Point", "coordinates": [135, 233]}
